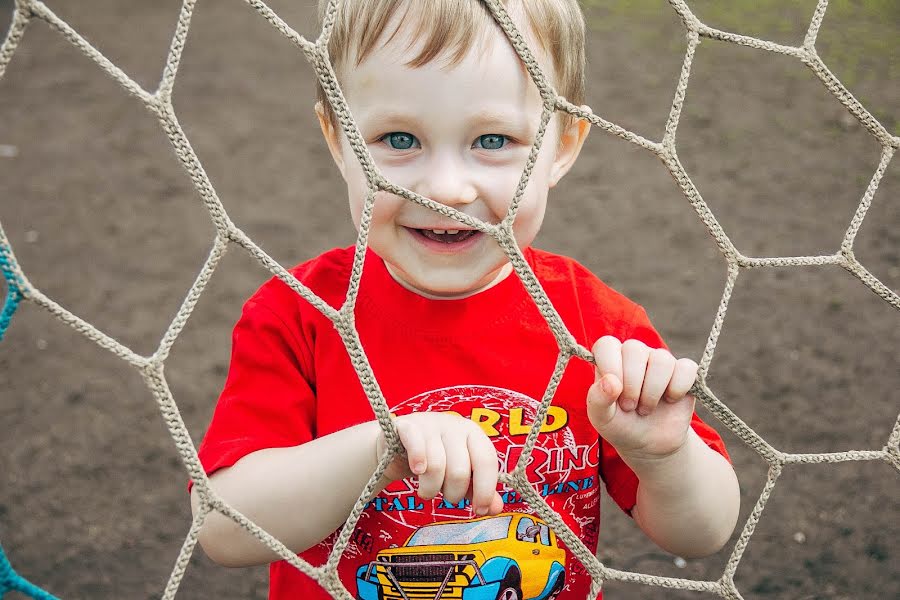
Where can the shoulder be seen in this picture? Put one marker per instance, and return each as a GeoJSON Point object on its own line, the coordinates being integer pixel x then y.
{"type": "Point", "coordinates": [562, 274]}
{"type": "Point", "coordinates": [572, 287]}
{"type": "Point", "coordinates": [326, 275]}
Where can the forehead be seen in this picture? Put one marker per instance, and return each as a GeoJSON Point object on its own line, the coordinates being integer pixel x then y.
{"type": "Point", "coordinates": [443, 29]}
{"type": "Point", "coordinates": [489, 78]}
{"type": "Point", "coordinates": [401, 63]}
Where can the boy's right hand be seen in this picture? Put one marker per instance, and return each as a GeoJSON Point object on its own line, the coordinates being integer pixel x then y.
{"type": "Point", "coordinates": [447, 454]}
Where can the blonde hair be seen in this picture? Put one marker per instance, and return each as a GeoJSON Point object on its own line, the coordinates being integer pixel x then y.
{"type": "Point", "coordinates": [449, 28]}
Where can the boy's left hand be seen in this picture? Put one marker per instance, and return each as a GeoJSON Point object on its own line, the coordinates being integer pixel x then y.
{"type": "Point", "coordinates": [639, 401]}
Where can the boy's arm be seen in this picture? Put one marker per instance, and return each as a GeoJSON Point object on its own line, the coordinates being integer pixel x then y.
{"type": "Point", "coordinates": [301, 494]}
{"type": "Point", "coordinates": [688, 496]}
{"type": "Point", "coordinates": [687, 503]}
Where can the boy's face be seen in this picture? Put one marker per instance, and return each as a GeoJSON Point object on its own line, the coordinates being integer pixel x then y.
{"type": "Point", "coordinates": [460, 136]}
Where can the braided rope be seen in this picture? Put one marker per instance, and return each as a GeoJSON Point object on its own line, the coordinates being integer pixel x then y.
{"type": "Point", "coordinates": [15, 282]}
{"type": "Point", "coordinates": [151, 368]}
{"type": "Point", "coordinates": [10, 581]}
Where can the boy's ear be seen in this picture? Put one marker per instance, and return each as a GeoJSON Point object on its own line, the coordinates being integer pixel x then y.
{"type": "Point", "coordinates": [570, 142]}
{"type": "Point", "coordinates": [332, 137]}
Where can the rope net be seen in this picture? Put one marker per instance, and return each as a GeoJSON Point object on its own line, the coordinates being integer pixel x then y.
{"type": "Point", "coordinates": [159, 102]}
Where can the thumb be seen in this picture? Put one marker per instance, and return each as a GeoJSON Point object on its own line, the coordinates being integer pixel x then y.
{"type": "Point", "coordinates": [601, 400]}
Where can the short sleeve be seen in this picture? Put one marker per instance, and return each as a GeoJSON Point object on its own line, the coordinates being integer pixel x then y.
{"type": "Point", "coordinates": [621, 482]}
{"type": "Point", "coordinates": [267, 401]}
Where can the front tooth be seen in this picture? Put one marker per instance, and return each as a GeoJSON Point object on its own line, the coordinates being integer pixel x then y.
{"type": "Point", "coordinates": [439, 231]}
{"type": "Point", "coordinates": [453, 231]}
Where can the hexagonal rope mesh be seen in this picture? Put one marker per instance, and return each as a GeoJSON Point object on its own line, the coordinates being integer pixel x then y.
{"type": "Point", "coordinates": [159, 102]}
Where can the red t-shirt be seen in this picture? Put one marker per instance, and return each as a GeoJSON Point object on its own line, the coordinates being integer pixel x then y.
{"type": "Point", "coordinates": [488, 357]}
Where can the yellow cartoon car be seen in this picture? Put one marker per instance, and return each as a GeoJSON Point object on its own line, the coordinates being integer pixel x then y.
{"type": "Point", "coordinates": [511, 556]}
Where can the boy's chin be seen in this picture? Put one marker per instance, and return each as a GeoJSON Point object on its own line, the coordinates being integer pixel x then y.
{"type": "Point", "coordinates": [446, 286]}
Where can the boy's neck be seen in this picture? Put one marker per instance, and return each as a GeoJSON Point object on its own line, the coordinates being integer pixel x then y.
{"type": "Point", "coordinates": [504, 272]}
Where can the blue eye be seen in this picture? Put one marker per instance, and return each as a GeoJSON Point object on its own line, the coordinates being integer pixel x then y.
{"type": "Point", "coordinates": [491, 141]}
{"type": "Point", "coordinates": [400, 140]}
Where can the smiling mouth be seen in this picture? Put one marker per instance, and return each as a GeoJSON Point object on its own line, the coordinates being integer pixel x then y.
{"type": "Point", "coordinates": [447, 236]}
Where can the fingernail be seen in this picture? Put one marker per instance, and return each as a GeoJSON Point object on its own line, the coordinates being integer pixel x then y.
{"type": "Point", "coordinates": [419, 468]}
{"type": "Point", "coordinates": [628, 404]}
{"type": "Point", "coordinates": [481, 511]}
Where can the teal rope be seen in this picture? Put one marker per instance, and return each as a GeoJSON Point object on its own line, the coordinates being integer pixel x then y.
{"type": "Point", "coordinates": [14, 293]}
{"type": "Point", "coordinates": [11, 581]}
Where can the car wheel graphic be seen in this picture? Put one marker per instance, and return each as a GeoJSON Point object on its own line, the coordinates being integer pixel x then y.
{"type": "Point", "coordinates": [509, 593]}
{"type": "Point", "coordinates": [509, 588]}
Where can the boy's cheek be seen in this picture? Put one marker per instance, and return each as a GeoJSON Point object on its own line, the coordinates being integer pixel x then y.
{"type": "Point", "coordinates": [387, 206]}
{"type": "Point", "coordinates": [499, 185]}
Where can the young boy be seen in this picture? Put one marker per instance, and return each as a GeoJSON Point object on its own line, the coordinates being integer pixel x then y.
{"type": "Point", "coordinates": [459, 350]}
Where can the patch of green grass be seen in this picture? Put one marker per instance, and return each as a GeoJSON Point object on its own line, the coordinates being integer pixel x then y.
{"type": "Point", "coordinates": [857, 39]}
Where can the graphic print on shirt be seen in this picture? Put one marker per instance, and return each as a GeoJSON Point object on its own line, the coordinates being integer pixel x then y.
{"type": "Point", "coordinates": [514, 555]}
{"type": "Point", "coordinates": [507, 556]}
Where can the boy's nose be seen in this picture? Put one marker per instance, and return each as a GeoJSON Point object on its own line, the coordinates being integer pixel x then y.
{"type": "Point", "coordinates": [446, 180]}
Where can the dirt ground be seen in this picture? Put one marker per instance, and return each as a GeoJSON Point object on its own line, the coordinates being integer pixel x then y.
{"type": "Point", "coordinates": [105, 221]}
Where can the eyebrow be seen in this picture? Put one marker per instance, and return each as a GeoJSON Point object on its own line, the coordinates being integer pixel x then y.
{"type": "Point", "coordinates": [523, 124]}
{"type": "Point", "coordinates": [485, 117]}
{"type": "Point", "coordinates": [488, 116]}
{"type": "Point", "coordinates": [382, 118]}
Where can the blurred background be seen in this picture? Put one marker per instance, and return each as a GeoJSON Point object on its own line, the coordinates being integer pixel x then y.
{"type": "Point", "coordinates": [105, 221]}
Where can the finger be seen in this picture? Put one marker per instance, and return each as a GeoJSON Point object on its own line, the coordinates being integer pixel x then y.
{"type": "Point", "coordinates": [432, 479]}
{"type": "Point", "coordinates": [601, 400]}
{"type": "Point", "coordinates": [485, 470]}
{"type": "Point", "coordinates": [414, 442]}
{"type": "Point", "coordinates": [682, 379]}
{"type": "Point", "coordinates": [634, 365]}
{"type": "Point", "coordinates": [496, 504]}
{"type": "Point", "coordinates": [607, 353]}
{"type": "Point", "coordinates": [660, 367]}
{"type": "Point", "coordinates": [459, 469]}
